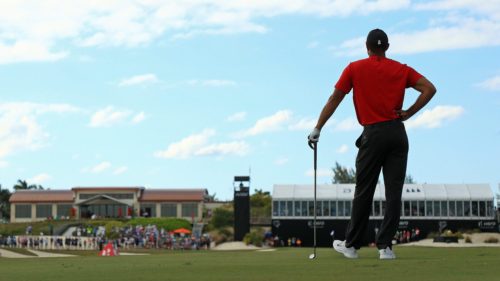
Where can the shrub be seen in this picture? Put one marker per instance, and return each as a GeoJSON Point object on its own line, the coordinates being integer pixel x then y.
{"type": "Point", "coordinates": [467, 239]}
{"type": "Point", "coordinates": [222, 217]}
{"type": "Point", "coordinates": [491, 240]}
{"type": "Point", "coordinates": [113, 229]}
{"type": "Point", "coordinates": [168, 224]}
{"type": "Point", "coordinates": [222, 235]}
{"type": "Point", "coordinates": [254, 237]}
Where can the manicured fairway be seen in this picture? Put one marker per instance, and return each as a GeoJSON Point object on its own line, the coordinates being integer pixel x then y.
{"type": "Point", "coordinates": [413, 263]}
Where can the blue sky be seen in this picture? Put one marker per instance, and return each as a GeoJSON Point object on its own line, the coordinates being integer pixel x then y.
{"type": "Point", "coordinates": [189, 94]}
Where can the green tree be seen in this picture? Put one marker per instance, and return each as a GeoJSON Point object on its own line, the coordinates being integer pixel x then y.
{"type": "Point", "coordinates": [260, 204]}
{"type": "Point", "coordinates": [343, 175]}
{"type": "Point", "coordinates": [4, 203]}
{"type": "Point", "coordinates": [23, 185]}
{"type": "Point", "coordinates": [409, 179]}
{"type": "Point", "coordinates": [222, 217]}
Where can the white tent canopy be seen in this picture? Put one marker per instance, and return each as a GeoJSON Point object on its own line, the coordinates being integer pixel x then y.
{"type": "Point", "coordinates": [473, 192]}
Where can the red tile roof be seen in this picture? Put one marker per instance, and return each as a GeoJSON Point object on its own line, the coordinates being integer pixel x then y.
{"type": "Point", "coordinates": [169, 195]}
{"type": "Point", "coordinates": [42, 196]}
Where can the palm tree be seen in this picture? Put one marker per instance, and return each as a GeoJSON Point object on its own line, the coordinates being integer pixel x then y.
{"type": "Point", "coordinates": [23, 185]}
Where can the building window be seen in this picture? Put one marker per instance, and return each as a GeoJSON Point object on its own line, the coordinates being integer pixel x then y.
{"type": "Point", "coordinates": [189, 210]}
{"type": "Point", "coordinates": [311, 209]}
{"type": "Point", "coordinates": [489, 209]}
{"type": "Point", "coordinates": [444, 208]}
{"type": "Point", "coordinates": [333, 208]}
{"type": "Point", "coordinates": [383, 208]}
{"type": "Point", "coordinates": [275, 208]}
{"type": "Point", "coordinates": [43, 210]}
{"type": "Point", "coordinates": [304, 208]}
{"type": "Point", "coordinates": [148, 210]}
{"type": "Point", "coordinates": [466, 208]}
{"type": "Point", "coordinates": [414, 208]}
{"type": "Point", "coordinates": [406, 205]}
{"type": "Point", "coordinates": [460, 208]}
{"type": "Point", "coordinates": [84, 196]}
{"type": "Point", "coordinates": [23, 211]}
{"type": "Point", "coordinates": [421, 208]}
{"type": "Point", "coordinates": [437, 209]}
{"type": "Point", "coordinates": [347, 208]}
{"type": "Point", "coordinates": [452, 210]}
{"type": "Point", "coordinates": [376, 206]}
{"type": "Point", "coordinates": [428, 211]}
{"type": "Point", "coordinates": [318, 208]}
{"type": "Point", "coordinates": [475, 209]}
{"type": "Point", "coordinates": [296, 209]}
{"type": "Point", "coordinates": [289, 208]}
{"type": "Point", "coordinates": [64, 210]}
{"type": "Point", "coordinates": [326, 208]}
{"type": "Point", "coordinates": [169, 210]}
{"type": "Point", "coordinates": [482, 209]}
{"type": "Point", "coordinates": [341, 208]}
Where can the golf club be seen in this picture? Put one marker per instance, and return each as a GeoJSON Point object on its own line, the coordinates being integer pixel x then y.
{"type": "Point", "coordinates": [314, 146]}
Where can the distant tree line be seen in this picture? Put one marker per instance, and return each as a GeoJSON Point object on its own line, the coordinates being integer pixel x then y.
{"type": "Point", "coordinates": [343, 174]}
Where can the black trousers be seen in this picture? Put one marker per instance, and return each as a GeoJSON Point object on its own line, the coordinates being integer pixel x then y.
{"type": "Point", "coordinates": [382, 147]}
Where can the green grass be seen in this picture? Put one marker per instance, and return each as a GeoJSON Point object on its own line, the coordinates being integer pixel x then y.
{"type": "Point", "coordinates": [413, 263]}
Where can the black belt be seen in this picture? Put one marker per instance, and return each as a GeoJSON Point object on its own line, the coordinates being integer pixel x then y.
{"type": "Point", "coordinates": [383, 123]}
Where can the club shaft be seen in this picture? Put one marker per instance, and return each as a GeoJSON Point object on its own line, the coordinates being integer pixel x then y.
{"type": "Point", "coordinates": [315, 212]}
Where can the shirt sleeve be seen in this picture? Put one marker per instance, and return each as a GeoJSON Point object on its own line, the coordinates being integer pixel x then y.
{"type": "Point", "coordinates": [412, 77]}
{"type": "Point", "coordinates": [345, 81]}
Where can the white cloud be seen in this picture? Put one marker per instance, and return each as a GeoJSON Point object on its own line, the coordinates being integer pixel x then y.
{"type": "Point", "coordinates": [281, 161]}
{"type": "Point", "coordinates": [138, 118]}
{"type": "Point", "coordinates": [236, 147]}
{"type": "Point", "coordinates": [343, 149]}
{"type": "Point", "coordinates": [238, 116]}
{"type": "Point", "coordinates": [434, 118]}
{"type": "Point", "coordinates": [101, 167]}
{"type": "Point", "coordinates": [271, 123]}
{"type": "Point", "coordinates": [468, 25]}
{"type": "Point", "coordinates": [198, 145]}
{"type": "Point", "coordinates": [320, 173]}
{"type": "Point", "coordinates": [313, 45]}
{"type": "Point", "coordinates": [19, 125]}
{"type": "Point", "coordinates": [32, 31]}
{"type": "Point", "coordinates": [492, 84]}
{"type": "Point", "coordinates": [489, 8]}
{"type": "Point", "coordinates": [304, 124]}
{"type": "Point", "coordinates": [120, 170]}
{"type": "Point", "coordinates": [39, 179]}
{"type": "Point", "coordinates": [108, 117]}
{"type": "Point", "coordinates": [348, 124]}
{"type": "Point", "coordinates": [139, 80]}
{"type": "Point", "coordinates": [212, 83]}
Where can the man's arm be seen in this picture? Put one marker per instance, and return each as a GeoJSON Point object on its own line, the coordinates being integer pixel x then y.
{"type": "Point", "coordinates": [330, 107]}
{"type": "Point", "coordinates": [427, 91]}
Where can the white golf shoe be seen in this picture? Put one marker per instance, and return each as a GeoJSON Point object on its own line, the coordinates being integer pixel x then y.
{"type": "Point", "coordinates": [348, 252]}
{"type": "Point", "coordinates": [386, 254]}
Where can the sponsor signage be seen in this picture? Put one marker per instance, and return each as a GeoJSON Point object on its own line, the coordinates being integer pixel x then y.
{"type": "Point", "coordinates": [487, 225]}
{"type": "Point", "coordinates": [319, 224]}
{"type": "Point", "coordinates": [241, 194]}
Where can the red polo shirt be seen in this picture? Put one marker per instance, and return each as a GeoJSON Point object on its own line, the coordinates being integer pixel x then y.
{"type": "Point", "coordinates": [379, 86]}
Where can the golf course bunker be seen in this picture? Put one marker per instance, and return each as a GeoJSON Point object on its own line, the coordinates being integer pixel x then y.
{"type": "Point", "coordinates": [234, 246]}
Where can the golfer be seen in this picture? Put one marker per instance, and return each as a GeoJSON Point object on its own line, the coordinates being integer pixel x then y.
{"type": "Point", "coordinates": [378, 85]}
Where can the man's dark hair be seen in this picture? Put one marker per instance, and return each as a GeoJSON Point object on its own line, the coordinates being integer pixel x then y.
{"type": "Point", "coordinates": [377, 40]}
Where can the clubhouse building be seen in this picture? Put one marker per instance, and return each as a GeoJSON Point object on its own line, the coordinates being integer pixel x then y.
{"type": "Point", "coordinates": [106, 202]}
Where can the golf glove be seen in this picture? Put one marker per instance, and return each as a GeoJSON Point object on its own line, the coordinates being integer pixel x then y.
{"type": "Point", "coordinates": [314, 135]}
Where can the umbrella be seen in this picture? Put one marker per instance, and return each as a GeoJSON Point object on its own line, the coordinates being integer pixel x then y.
{"type": "Point", "coordinates": [182, 230]}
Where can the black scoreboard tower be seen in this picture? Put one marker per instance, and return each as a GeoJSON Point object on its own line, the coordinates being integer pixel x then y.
{"type": "Point", "coordinates": [241, 207]}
